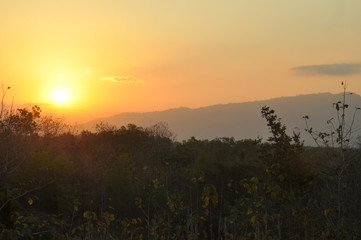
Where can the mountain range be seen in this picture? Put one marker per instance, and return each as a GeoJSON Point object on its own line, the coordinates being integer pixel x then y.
{"type": "Point", "coordinates": [244, 120]}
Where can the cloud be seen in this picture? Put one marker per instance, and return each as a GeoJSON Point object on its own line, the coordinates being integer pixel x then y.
{"type": "Point", "coordinates": [122, 79]}
{"type": "Point", "coordinates": [87, 70]}
{"type": "Point", "coordinates": [341, 69]}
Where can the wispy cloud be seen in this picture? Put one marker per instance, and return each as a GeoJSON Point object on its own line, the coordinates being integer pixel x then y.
{"type": "Point", "coordinates": [122, 79]}
{"type": "Point", "coordinates": [341, 69]}
{"type": "Point", "coordinates": [87, 70]}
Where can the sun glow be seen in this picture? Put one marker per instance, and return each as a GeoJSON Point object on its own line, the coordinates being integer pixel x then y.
{"type": "Point", "coordinates": [60, 96]}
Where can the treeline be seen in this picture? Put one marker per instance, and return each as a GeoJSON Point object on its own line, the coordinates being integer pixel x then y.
{"type": "Point", "coordinates": [139, 183]}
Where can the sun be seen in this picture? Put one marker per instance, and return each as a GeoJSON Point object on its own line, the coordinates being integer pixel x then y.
{"type": "Point", "coordinates": [60, 96]}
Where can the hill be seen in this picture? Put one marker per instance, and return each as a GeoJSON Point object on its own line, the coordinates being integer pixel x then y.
{"type": "Point", "coordinates": [241, 120]}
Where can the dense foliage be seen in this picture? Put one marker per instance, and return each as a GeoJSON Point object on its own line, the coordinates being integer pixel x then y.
{"type": "Point", "coordinates": [138, 183]}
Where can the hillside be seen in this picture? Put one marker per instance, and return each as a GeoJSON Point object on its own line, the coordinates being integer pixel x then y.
{"type": "Point", "coordinates": [240, 120]}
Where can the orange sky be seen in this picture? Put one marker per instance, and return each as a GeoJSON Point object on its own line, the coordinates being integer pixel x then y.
{"type": "Point", "coordinates": [115, 56]}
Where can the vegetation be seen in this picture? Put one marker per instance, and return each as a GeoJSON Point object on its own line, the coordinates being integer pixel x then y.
{"type": "Point", "coordinates": [139, 183]}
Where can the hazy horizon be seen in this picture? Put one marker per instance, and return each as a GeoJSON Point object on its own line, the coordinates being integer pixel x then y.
{"type": "Point", "coordinates": [78, 116]}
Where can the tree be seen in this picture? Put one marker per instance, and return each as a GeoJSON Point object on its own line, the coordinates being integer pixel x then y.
{"type": "Point", "coordinates": [336, 144]}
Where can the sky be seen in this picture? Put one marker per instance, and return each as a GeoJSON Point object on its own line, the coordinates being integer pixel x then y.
{"type": "Point", "coordinates": [111, 56]}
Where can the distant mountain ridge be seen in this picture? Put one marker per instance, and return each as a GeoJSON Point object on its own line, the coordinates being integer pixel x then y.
{"type": "Point", "coordinates": [241, 120]}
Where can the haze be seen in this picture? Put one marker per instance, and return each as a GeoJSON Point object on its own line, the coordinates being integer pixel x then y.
{"type": "Point", "coordinates": [135, 56]}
